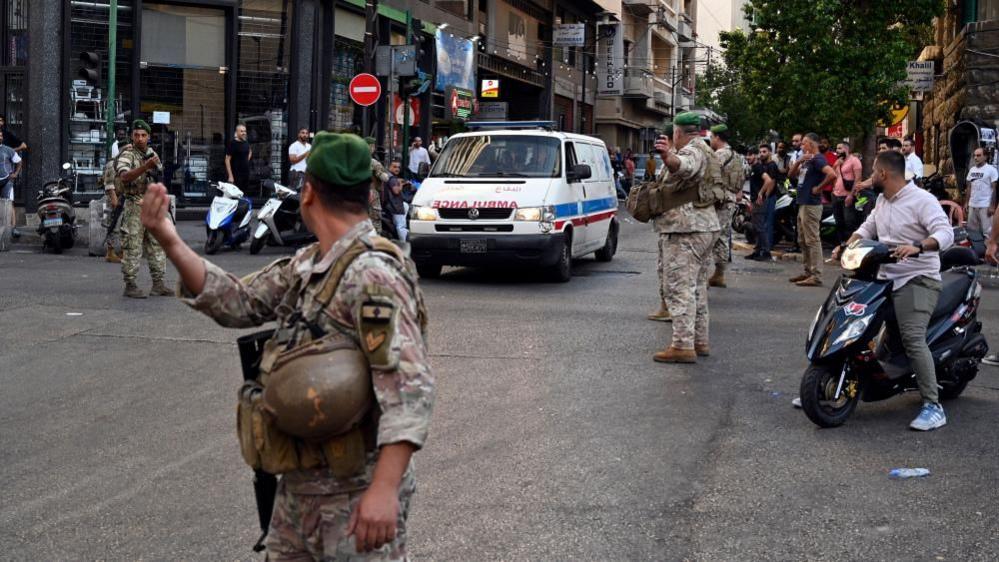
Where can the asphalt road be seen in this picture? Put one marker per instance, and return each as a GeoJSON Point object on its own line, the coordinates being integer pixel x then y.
{"type": "Point", "coordinates": [555, 436]}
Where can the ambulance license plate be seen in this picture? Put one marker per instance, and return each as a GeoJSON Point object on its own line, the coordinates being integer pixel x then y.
{"type": "Point", "coordinates": [473, 246]}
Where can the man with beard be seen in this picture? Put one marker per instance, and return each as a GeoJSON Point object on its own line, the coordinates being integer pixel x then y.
{"type": "Point", "coordinates": [763, 194]}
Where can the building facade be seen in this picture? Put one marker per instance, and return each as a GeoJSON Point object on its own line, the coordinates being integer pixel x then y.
{"type": "Point", "coordinates": [659, 67]}
{"type": "Point", "coordinates": [715, 17]}
{"type": "Point", "coordinates": [966, 40]}
{"type": "Point", "coordinates": [194, 69]}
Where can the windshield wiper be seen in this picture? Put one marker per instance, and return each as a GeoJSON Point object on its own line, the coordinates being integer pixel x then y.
{"type": "Point", "coordinates": [511, 175]}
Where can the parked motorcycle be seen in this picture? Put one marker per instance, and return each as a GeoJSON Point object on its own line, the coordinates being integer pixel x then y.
{"type": "Point", "coordinates": [971, 239]}
{"type": "Point", "coordinates": [279, 222]}
{"type": "Point", "coordinates": [742, 220]}
{"type": "Point", "coordinates": [854, 346]}
{"type": "Point", "coordinates": [56, 216]}
{"type": "Point", "coordinates": [786, 220]}
{"type": "Point", "coordinates": [228, 220]}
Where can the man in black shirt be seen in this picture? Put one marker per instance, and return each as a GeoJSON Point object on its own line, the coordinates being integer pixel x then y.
{"type": "Point", "coordinates": [763, 194]}
{"type": "Point", "coordinates": [394, 202]}
{"type": "Point", "coordinates": [237, 158]}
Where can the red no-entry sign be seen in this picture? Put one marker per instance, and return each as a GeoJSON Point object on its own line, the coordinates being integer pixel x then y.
{"type": "Point", "coordinates": [365, 89]}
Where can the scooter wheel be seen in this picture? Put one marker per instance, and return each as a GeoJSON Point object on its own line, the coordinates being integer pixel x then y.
{"type": "Point", "coordinates": [256, 245]}
{"type": "Point", "coordinates": [214, 242]}
{"type": "Point", "coordinates": [819, 400]}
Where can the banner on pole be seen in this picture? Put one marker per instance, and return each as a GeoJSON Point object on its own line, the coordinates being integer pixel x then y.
{"type": "Point", "coordinates": [610, 59]}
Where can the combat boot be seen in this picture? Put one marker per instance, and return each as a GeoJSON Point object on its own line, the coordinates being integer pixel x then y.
{"type": "Point", "coordinates": [702, 349]}
{"type": "Point", "coordinates": [160, 290]}
{"type": "Point", "coordinates": [111, 256]}
{"type": "Point", "coordinates": [718, 279]}
{"type": "Point", "coordinates": [661, 315]}
{"type": "Point", "coordinates": [675, 355]}
{"type": "Point", "coordinates": [132, 291]}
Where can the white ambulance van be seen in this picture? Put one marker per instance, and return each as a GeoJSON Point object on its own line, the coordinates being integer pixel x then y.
{"type": "Point", "coordinates": [515, 193]}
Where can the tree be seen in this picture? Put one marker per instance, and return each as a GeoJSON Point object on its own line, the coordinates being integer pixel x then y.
{"type": "Point", "coordinates": [834, 67]}
{"type": "Point", "coordinates": [721, 89]}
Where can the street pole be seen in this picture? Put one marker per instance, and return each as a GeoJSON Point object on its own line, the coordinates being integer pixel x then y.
{"type": "Point", "coordinates": [370, 27]}
{"type": "Point", "coordinates": [112, 107]}
{"type": "Point", "coordinates": [405, 102]}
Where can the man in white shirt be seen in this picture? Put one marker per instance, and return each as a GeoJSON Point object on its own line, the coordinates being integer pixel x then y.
{"type": "Point", "coordinates": [980, 195]}
{"type": "Point", "coordinates": [913, 164]}
{"type": "Point", "coordinates": [417, 156]}
{"type": "Point", "coordinates": [298, 152]}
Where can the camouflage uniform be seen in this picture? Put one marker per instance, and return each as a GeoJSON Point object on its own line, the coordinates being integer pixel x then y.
{"type": "Point", "coordinates": [378, 178]}
{"type": "Point", "coordinates": [732, 175]}
{"type": "Point", "coordinates": [313, 506]}
{"type": "Point", "coordinates": [686, 236]}
{"type": "Point", "coordinates": [134, 238]}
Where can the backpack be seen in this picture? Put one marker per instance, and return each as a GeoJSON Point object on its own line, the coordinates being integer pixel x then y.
{"type": "Point", "coordinates": [711, 188]}
{"type": "Point", "coordinates": [734, 171]}
{"type": "Point", "coordinates": [110, 174]}
{"type": "Point", "coordinates": [639, 201]}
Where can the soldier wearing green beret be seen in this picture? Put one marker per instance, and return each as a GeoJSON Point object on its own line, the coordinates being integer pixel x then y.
{"type": "Point", "coordinates": [687, 234]}
{"type": "Point", "coordinates": [351, 391]}
{"type": "Point", "coordinates": [135, 167]}
{"type": "Point", "coordinates": [733, 175]}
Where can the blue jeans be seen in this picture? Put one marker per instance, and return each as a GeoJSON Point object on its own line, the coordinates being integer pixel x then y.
{"type": "Point", "coordinates": [6, 189]}
{"type": "Point", "coordinates": [763, 222]}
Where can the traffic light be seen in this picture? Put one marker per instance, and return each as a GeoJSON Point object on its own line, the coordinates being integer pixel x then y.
{"type": "Point", "coordinates": [418, 38]}
{"type": "Point", "coordinates": [90, 68]}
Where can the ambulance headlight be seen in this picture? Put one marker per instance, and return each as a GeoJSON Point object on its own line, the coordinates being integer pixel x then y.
{"type": "Point", "coordinates": [535, 214]}
{"type": "Point", "coordinates": [424, 214]}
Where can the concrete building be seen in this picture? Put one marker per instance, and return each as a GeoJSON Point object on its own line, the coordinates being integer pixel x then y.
{"type": "Point", "coordinates": [966, 41]}
{"type": "Point", "coordinates": [717, 16]}
{"type": "Point", "coordinates": [196, 68]}
{"type": "Point", "coordinates": [658, 70]}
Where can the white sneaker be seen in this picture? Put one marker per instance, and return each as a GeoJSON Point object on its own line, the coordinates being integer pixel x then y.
{"type": "Point", "coordinates": [930, 417]}
{"type": "Point", "coordinates": [991, 359]}
{"type": "Point", "coordinates": [796, 402]}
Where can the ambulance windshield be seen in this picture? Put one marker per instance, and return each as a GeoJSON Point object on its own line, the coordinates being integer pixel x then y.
{"type": "Point", "coordinates": [500, 156]}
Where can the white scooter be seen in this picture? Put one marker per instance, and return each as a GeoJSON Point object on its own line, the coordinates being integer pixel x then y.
{"type": "Point", "coordinates": [279, 222]}
{"type": "Point", "coordinates": [228, 220]}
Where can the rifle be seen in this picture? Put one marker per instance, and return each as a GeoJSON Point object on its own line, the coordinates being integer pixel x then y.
{"type": "Point", "coordinates": [113, 222]}
{"type": "Point", "coordinates": [251, 347]}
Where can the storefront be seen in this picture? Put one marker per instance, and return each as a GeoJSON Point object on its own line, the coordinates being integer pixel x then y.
{"type": "Point", "coordinates": [193, 70]}
{"type": "Point", "coordinates": [13, 64]}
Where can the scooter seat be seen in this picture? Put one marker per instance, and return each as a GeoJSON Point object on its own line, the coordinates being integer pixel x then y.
{"type": "Point", "coordinates": [955, 286]}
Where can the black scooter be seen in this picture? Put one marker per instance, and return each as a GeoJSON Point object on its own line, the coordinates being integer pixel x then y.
{"type": "Point", "coordinates": [854, 345]}
{"type": "Point", "coordinates": [56, 216]}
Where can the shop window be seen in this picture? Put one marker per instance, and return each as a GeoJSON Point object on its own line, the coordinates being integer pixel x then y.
{"type": "Point", "coordinates": [348, 61]}
{"type": "Point", "coordinates": [460, 8]}
{"type": "Point", "coordinates": [262, 85]}
{"type": "Point", "coordinates": [88, 103]}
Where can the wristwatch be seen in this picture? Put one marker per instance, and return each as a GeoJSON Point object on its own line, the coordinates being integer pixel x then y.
{"type": "Point", "coordinates": [920, 246]}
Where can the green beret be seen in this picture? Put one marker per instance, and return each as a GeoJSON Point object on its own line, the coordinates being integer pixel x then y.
{"type": "Point", "coordinates": [668, 130]}
{"type": "Point", "coordinates": [687, 119]}
{"type": "Point", "coordinates": [140, 124]}
{"type": "Point", "coordinates": [339, 159]}
{"type": "Point", "coordinates": [723, 128]}
{"type": "Point", "coordinates": [370, 140]}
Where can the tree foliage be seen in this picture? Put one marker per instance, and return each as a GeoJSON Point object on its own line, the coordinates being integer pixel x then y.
{"type": "Point", "coordinates": [829, 66]}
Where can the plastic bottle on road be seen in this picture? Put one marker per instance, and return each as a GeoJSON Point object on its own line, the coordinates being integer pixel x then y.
{"type": "Point", "coordinates": [901, 473]}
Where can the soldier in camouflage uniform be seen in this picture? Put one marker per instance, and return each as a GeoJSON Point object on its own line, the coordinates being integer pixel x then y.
{"type": "Point", "coordinates": [134, 166]}
{"type": "Point", "coordinates": [322, 513]}
{"type": "Point", "coordinates": [378, 178]}
{"type": "Point", "coordinates": [733, 174]}
{"type": "Point", "coordinates": [686, 237]}
{"type": "Point", "coordinates": [662, 314]}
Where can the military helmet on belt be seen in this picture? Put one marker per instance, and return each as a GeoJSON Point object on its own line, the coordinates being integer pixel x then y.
{"type": "Point", "coordinates": [315, 393]}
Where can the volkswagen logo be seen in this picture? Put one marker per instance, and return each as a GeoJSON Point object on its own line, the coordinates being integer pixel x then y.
{"type": "Point", "coordinates": [473, 213]}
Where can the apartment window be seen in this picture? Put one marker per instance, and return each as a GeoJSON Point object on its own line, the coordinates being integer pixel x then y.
{"type": "Point", "coordinates": [460, 8]}
{"type": "Point", "coordinates": [988, 10]}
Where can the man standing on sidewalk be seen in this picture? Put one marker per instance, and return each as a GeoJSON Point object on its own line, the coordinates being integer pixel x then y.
{"type": "Point", "coordinates": [687, 234]}
{"type": "Point", "coordinates": [816, 174]}
{"type": "Point", "coordinates": [298, 152]}
{"type": "Point", "coordinates": [10, 168]}
{"type": "Point", "coordinates": [913, 164]}
{"type": "Point", "coordinates": [133, 167]}
{"type": "Point", "coordinates": [763, 194]}
{"type": "Point", "coordinates": [848, 171]}
{"type": "Point", "coordinates": [980, 197]}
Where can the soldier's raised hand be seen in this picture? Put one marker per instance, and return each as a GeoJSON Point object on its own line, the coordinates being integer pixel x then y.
{"type": "Point", "coordinates": [155, 214]}
{"type": "Point", "coordinates": [153, 162]}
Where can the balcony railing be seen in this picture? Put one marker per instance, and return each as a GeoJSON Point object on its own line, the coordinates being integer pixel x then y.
{"type": "Point", "coordinates": [639, 7]}
{"type": "Point", "coordinates": [637, 84]}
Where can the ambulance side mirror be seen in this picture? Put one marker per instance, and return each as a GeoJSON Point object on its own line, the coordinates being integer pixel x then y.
{"type": "Point", "coordinates": [579, 172]}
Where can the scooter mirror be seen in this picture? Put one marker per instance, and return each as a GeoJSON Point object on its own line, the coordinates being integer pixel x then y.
{"type": "Point", "coordinates": [66, 166]}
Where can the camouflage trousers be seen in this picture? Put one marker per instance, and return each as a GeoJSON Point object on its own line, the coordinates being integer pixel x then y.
{"type": "Point", "coordinates": [134, 241]}
{"type": "Point", "coordinates": [687, 261]}
{"type": "Point", "coordinates": [721, 250]}
{"type": "Point", "coordinates": [308, 527]}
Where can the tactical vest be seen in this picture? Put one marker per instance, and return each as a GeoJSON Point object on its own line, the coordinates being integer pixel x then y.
{"type": "Point", "coordinates": [732, 170]}
{"type": "Point", "coordinates": [312, 405]}
{"type": "Point", "coordinates": [136, 187]}
{"type": "Point", "coordinates": [703, 190]}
